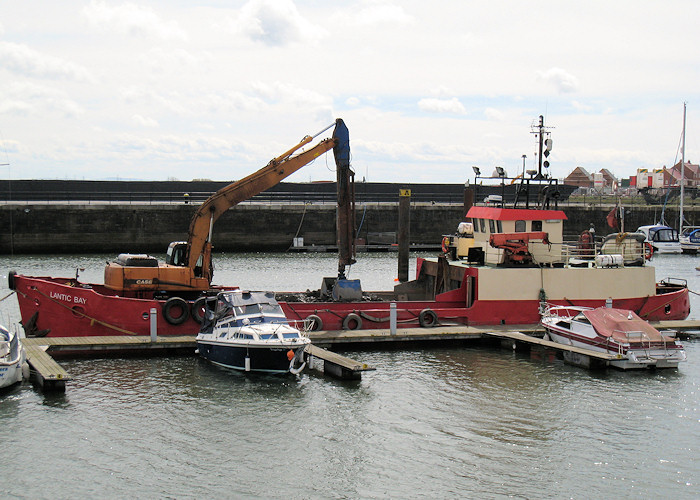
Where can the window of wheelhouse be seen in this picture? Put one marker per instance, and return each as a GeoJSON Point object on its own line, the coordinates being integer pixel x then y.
{"type": "Point", "coordinates": [499, 226]}
{"type": "Point", "coordinates": [492, 226]}
{"type": "Point", "coordinates": [520, 226]}
{"type": "Point", "coordinates": [475, 225]}
{"type": "Point", "coordinates": [537, 225]}
{"type": "Point", "coordinates": [482, 223]}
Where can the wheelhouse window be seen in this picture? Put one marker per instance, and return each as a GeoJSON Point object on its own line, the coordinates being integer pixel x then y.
{"type": "Point", "coordinates": [482, 223]}
{"type": "Point", "coordinates": [537, 225]}
{"type": "Point", "coordinates": [475, 224]}
{"type": "Point", "coordinates": [492, 226]}
{"type": "Point", "coordinates": [520, 226]}
{"type": "Point", "coordinates": [499, 226]}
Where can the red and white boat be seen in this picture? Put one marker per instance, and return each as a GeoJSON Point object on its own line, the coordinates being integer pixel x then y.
{"type": "Point", "coordinates": [500, 268]}
{"type": "Point", "coordinates": [621, 333]}
{"type": "Point", "coordinates": [509, 262]}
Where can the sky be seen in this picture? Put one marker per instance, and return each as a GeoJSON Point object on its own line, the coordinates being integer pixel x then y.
{"type": "Point", "coordinates": [107, 89]}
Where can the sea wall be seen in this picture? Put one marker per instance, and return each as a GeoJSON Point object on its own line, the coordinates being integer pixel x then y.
{"type": "Point", "coordinates": [113, 228]}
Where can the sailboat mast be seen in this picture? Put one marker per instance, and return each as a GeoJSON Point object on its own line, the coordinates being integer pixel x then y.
{"type": "Point", "coordinates": [680, 223]}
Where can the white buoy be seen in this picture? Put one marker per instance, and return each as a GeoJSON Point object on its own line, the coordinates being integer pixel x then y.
{"type": "Point", "coordinates": [392, 318]}
{"type": "Point", "coordinates": [247, 363]}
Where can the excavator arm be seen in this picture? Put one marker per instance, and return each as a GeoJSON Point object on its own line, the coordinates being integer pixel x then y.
{"type": "Point", "coordinates": [199, 243]}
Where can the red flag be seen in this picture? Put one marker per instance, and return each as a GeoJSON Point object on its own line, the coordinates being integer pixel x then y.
{"type": "Point", "coordinates": [612, 219]}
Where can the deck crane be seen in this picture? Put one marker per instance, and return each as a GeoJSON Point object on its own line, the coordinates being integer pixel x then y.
{"type": "Point", "coordinates": [187, 270]}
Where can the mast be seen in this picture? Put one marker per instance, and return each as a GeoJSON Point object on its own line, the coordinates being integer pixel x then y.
{"type": "Point", "coordinates": [680, 223]}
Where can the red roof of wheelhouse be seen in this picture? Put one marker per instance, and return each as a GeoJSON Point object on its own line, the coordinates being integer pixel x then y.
{"type": "Point", "coordinates": [497, 213]}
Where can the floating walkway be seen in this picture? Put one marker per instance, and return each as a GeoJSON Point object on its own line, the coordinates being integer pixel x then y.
{"type": "Point", "coordinates": [51, 376]}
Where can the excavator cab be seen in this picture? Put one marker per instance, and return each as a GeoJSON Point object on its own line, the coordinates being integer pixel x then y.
{"type": "Point", "coordinates": [177, 254]}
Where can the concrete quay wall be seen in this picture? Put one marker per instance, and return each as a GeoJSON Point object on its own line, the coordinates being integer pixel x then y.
{"type": "Point", "coordinates": [113, 228]}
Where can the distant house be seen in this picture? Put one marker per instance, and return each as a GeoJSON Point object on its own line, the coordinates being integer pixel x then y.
{"type": "Point", "coordinates": [691, 175]}
{"type": "Point", "coordinates": [579, 177]}
{"type": "Point", "coordinates": [600, 180]}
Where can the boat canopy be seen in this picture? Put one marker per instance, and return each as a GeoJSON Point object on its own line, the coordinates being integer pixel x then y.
{"type": "Point", "coordinates": [621, 325]}
{"type": "Point", "coordinates": [514, 214]}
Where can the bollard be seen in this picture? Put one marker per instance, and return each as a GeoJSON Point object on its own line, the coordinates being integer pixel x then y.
{"type": "Point", "coordinates": [392, 318]}
{"type": "Point", "coordinates": [154, 324]}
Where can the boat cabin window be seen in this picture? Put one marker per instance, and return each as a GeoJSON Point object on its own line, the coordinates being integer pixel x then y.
{"type": "Point", "coordinates": [482, 223]}
{"type": "Point", "coordinates": [520, 226]}
{"type": "Point", "coordinates": [266, 336]}
{"type": "Point", "coordinates": [666, 234]}
{"type": "Point", "coordinates": [581, 318]}
{"type": "Point", "coordinates": [290, 335]}
{"type": "Point", "coordinates": [537, 225]}
{"type": "Point", "coordinates": [499, 226]}
{"type": "Point", "coordinates": [475, 224]}
{"type": "Point", "coordinates": [492, 226]}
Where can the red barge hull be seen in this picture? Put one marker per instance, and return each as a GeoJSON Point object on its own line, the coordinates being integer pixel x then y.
{"type": "Point", "coordinates": [64, 307]}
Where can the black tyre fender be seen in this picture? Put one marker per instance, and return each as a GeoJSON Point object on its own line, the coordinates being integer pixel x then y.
{"type": "Point", "coordinates": [352, 322]}
{"type": "Point", "coordinates": [176, 302]}
{"type": "Point", "coordinates": [314, 322]}
{"type": "Point", "coordinates": [427, 318]}
{"type": "Point", "coordinates": [11, 279]}
{"type": "Point", "coordinates": [198, 309]}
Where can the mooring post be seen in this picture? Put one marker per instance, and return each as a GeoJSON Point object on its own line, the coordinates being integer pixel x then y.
{"type": "Point", "coordinates": [154, 324]}
{"type": "Point", "coordinates": [392, 318]}
{"type": "Point", "coordinates": [404, 232]}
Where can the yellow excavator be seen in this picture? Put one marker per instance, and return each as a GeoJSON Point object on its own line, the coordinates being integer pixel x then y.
{"type": "Point", "coordinates": [187, 270]}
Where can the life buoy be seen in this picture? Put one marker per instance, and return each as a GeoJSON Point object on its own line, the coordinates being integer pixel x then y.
{"type": "Point", "coordinates": [198, 309]}
{"type": "Point", "coordinates": [427, 318]}
{"type": "Point", "coordinates": [648, 250]}
{"type": "Point", "coordinates": [352, 322]}
{"type": "Point", "coordinates": [176, 302]}
{"type": "Point", "coordinates": [446, 244]}
{"type": "Point", "coordinates": [313, 323]}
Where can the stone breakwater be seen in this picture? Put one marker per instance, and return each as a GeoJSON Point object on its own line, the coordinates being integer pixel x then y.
{"type": "Point", "coordinates": [114, 228]}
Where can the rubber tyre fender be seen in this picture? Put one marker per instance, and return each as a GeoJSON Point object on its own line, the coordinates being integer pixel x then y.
{"type": "Point", "coordinates": [197, 311]}
{"type": "Point", "coordinates": [176, 302]}
{"type": "Point", "coordinates": [427, 318]}
{"type": "Point", "coordinates": [315, 322]}
{"type": "Point", "coordinates": [11, 280]}
{"type": "Point", "coordinates": [348, 322]}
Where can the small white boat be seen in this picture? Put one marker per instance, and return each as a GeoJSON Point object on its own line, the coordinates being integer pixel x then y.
{"type": "Point", "coordinates": [248, 331]}
{"type": "Point", "coordinates": [690, 239]}
{"type": "Point", "coordinates": [663, 239]}
{"type": "Point", "coordinates": [619, 332]}
{"type": "Point", "coordinates": [12, 358]}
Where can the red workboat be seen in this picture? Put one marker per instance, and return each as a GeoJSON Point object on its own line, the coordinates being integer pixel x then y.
{"type": "Point", "coordinates": [501, 267]}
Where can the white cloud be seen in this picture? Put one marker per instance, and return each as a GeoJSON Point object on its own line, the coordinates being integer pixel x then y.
{"type": "Point", "coordinates": [448, 106]}
{"type": "Point", "coordinates": [144, 121]}
{"type": "Point", "coordinates": [31, 99]}
{"type": "Point", "coordinates": [131, 19]}
{"type": "Point", "coordinates": [276, 23]}
{"type": "Point", "coordinates": [383, 13]}
{"type": "Point", "coordinates": [493, 114]}
{"type": "Point", "coordinates": [563, 81]}
{"type": "Point", "coordinates": [26, 61]}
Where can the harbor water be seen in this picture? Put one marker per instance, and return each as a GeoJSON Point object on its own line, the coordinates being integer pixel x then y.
{"type": "Point", "coordinates": [432, 421]}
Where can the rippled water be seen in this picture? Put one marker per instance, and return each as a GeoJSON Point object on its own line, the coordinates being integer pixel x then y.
{"type": "Point", "coordinates": [433, 422]}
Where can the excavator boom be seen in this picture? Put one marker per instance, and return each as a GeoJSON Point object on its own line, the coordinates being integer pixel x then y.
{"type": "Point", "coordinates": [188, 268]}
{"type": "Point", "coordinates": [200, 233]}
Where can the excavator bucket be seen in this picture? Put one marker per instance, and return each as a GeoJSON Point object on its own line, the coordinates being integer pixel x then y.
{"type": "Point", "coordinates": [341, 150]}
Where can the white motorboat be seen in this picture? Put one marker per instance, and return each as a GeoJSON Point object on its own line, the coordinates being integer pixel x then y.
{"type": "Point", "coordinates": [663, 239]}
{"type": "Point", "coordinates": [619, 332]}
{"type": "Point", "coordinates": [690, 239]}
{"type": "Point", "coordinates": [248, 331]}
{"type": "Point", "coordinates": [12, 358]}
